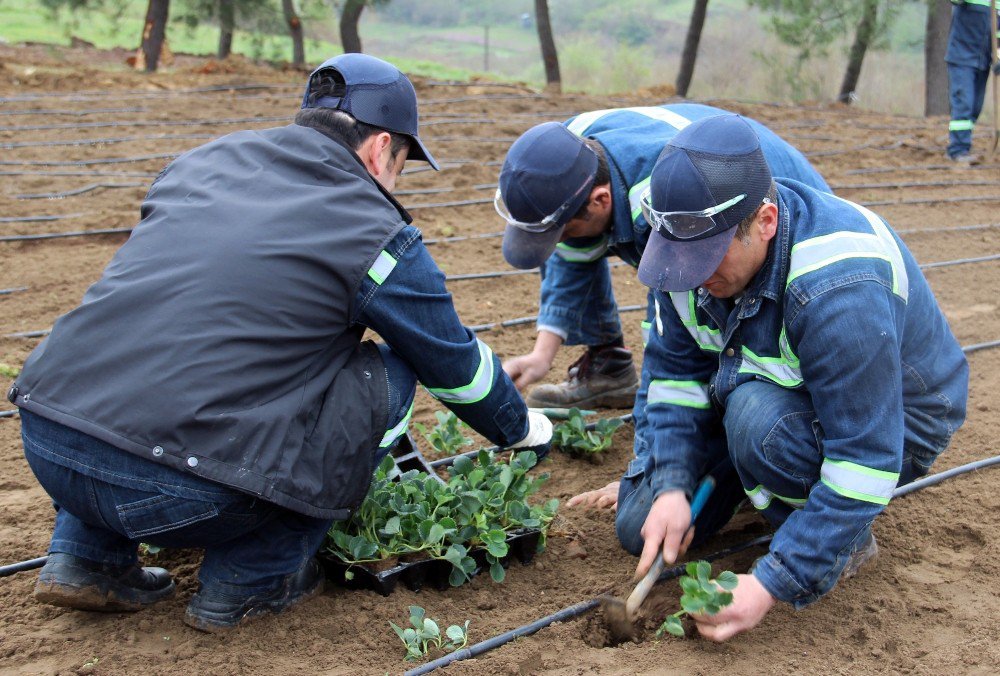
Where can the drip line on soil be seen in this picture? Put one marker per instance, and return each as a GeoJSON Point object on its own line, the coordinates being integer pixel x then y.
{"type": "Point", "coordinates": [147, 123]}
{"type": "Point", "coordinates": [78, 191]}
{"type": "Point", "coordinates": [978, 226]}
{"type": "Point", "coordinates": [914, 184]}
{"type": "Point", "coordinates": [74, 113]}
{"type": "Point", "coordinates": [104, 141]}
{"type": "Point", "coordinates": [34, 219]}
{"type": "Point", "coordinates": [116, 174]}
{"type": "Point", "coordinates": [84, 163]}
{"type": "Point", "coordinates": [510, 273]}
{"type": "Point", "coordinates": [173, 93]}
{"type": "Point", "coordinates": [918, 167]}
{"type": "Point", "coordinates": [7, 292]}
{"type": "Point", "coordinates": [575, 610]}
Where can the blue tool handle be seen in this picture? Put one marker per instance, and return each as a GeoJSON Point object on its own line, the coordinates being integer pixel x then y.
{"type": "Point", "coordinates": [704, 490]}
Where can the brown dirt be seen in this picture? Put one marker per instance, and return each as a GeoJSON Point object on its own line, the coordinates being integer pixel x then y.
{"type": "Point", "coordinates": [928, 605]}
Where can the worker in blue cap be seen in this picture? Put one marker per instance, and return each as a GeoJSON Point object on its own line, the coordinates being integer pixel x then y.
{"type": "Point", "coordinates": [569, 195]}
{"type": "Point", "coordinates": [798, 357]}
{"type": "Point", "coordinates": [212, 390]}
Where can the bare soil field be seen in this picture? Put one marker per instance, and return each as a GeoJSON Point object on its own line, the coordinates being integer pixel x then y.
{"type": "Point", "coordinates": [80, 141]}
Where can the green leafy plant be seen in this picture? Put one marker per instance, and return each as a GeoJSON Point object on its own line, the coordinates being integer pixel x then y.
{"type": "Point", "coordinates": [446, 436]}
{"type": "Point", "coordinates": [8, 371]}
{"type": "Point", "coordinates": [425, 634]}
{"type": "Point", "coordinates": [414, 514]}
{"type": "Point", "coordinates": [702, 594]}
{"type": "Point", "coordinates": [573, 436]}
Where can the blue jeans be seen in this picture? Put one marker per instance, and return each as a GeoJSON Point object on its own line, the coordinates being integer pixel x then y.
{"type": "Point", "coordinates": [967, 91]}
{"type": "Point", "coordinates": [774, 440]}
{"type": "Point", "coordinates": [108, 500]}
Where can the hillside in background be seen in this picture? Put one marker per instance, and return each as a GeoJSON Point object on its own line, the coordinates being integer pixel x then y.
{"type": "Point", "coordinates": [605, 46]}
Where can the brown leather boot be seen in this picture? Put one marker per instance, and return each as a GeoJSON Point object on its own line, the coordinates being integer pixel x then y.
{"type": "Point", "coordinates": [603, 377]}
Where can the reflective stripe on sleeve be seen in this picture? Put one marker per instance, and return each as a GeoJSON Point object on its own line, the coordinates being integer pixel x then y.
{"type": "Point", "coordinates": [582, 122]}
{"type": "Point", "coordinates": [646, 326]}
{"type": "Point", "coordinates": [761, 498]}
{"type": "Point", "coordinates": [961, 125]}
{"type": "Point", "coordinates": [381, 268]}
{"type": "Point", "coordinates": [690, 393]}
{"type": "Point", "coordinates": [776, 369]}
{"type": "Point", "coordinates": [859, 482]}
{"type": "Point", "coordinates": [477, 389]}
{"type": "Point", "coordinates": [633, 198]}
{"type": "Point", "coordinates": [708, 339]}
{"type": "Point", "coordinates": [588, 254]}
{"type": "Point", "coordinates": [397, 431]}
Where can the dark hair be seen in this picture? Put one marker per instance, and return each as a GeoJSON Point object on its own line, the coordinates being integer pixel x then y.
{"type": "Point", "coordinates": [336, 123]}
{"type": "Point", "coordinates": [743, 227]}
{"type": "Point", "coordinates": [601, 177]}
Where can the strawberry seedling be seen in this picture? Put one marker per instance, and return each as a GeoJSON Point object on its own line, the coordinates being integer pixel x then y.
{"type": "Point", "coordinates": [424, 634]}
{"type": "Point", "coordinates": [446, 437]}
{"type": "Point", "coordinates": [701, 594]}
{"type": "Point", "coordinates": [574, 438]}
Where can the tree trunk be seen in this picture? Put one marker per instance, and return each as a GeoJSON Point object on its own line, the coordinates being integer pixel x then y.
{"type": "Point", "coordinates": [935, 69]}
{"type": "Point", "coordinates": [550, 57]}
{"type": "Point", "coordinates": [690, 53]}
{"type": "Point", "coordinates": [862, 39]}
{"type": "Point", "coordinates": [350, 40]}
{"type": "Point", "coordinates": [295, 30]}
{"type": "Point", "coordinates": [227, 20]}
{"type": "Point", "coordinates": [154, 31]}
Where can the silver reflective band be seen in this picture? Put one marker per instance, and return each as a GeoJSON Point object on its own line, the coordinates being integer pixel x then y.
{"type": "Point", "coordinates": [683, 224]}
{"type": "Point", "coordinates": [546, 223]}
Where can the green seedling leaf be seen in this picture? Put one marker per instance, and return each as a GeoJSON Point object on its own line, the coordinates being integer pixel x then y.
{"type": "Point", "coordinates": [727, 580]}
{"type": "Point", "coordinates": [701, 594]}
{"type": "Point", "coordinates": [497, 572]}
{"type": "Point", "coordinates": [671, 625]}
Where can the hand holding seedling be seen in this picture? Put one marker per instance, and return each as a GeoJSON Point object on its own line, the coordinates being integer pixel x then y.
{"type": "Point", "coordinates": [667, 530]}
{"type": "Point", "coordinates": [751, 602]}
{"type": "Point", "coordinates": [703, 596]}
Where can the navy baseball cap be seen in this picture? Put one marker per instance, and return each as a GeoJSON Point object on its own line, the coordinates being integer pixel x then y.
{"type": "Point", "coordinates": [376, 93]}
{"type": "Point", "coordinates": [545, 179]}
{"type": "Point", "coordinates": [708, 178]}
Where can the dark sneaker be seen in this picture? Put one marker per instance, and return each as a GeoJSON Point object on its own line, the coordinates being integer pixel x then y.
{"type": "Point", "coordinates": [601, 378]}
{"type": "Point", "coordinates": [862, 555]}
{"type": "Point", "coordinates": [72, 582]}
{"type": "Point", "coordinates": [216, 610]}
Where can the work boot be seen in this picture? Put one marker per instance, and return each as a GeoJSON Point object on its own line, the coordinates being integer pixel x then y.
{"type": "Point", "coordinates": [73, 582]}
{"type": "Point", "coordinates": [867, 551]}
{"type": "Point", "coordinates": [216, 610]}
{"type": "Point", "coordinates": [603, 377]}
{"type": "Point", "coordinates": [965, 159]}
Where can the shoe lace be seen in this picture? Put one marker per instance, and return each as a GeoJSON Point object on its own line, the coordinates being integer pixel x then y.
{"type": "Point", "coordinates": [580, 369]}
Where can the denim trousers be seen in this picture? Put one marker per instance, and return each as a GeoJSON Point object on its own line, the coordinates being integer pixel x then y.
{"type": "Point", "coordinates": [773, 439]}
{"type": "Point", "coordinates": [108, 501]}
{"type": "Point", "coordinates": [967, 92]}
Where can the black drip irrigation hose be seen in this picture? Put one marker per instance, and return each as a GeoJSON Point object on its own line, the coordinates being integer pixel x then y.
{"type": "Point", "coordinates": [961, 261]}
{"type": "Point", "coordinates": [147, 123]}
{"type": "Point", "coordinates": [35, 219]}
{"type": "Point", "coordinates": [61, 235]}
{"type": "Point", "coordinates": [7, 292]}
{"type": "Point", "coordinates": [87, 163]}
{"type": "Point", "coordinates": [173, 93]}
{"type": "Point", "coordinates": [912, 184]}
{"type": "Point", "coordinates": [78, 191]}
{"type": "Point", "coordinates": [578, 609]}
{"type": "Point", "coordinates": [480, 328]}
{"type": "Point", "coordinates": [956, 228]}
{"type": "Point", "coordinates": [22, 566]}
{"type": "Point", "coordinates": [510, 273]}
{"type": "Point", "coordinates": [73, 113]}
{"type": "Point", "coordinates": [104, 141]}
{"type": "Point", "coordinates": [116, 174]}
{"type": "Point", "coordinates": [917, 167]}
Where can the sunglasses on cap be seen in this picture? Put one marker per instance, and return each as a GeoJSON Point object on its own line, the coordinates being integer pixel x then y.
{"type": "Point", "coordinates": [683, 224]}
{"type": "Point", "coordinates": [550, 221]}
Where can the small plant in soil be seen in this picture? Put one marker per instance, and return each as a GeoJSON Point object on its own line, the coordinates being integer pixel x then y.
{"type": "Point", "coordinates": [446, 436]}
{"type": "Point", "coordinates": [424, 635]}
{"type": "Point", "coordinates": [702, 594]}
{"type": "Point", "coordinates": [574, 438]}
{"type": "Point", "coordinates": [413, 515]}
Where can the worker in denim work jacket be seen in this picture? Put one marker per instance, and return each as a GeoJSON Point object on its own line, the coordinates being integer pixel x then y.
{"type": "Point", "coordinates": [798, 357]}
{"type": "Point", "coordinates": [212, 389]}
{"type": "Point", "coordinates": [569, 193]}
{"type": "Point", "coordinates": [969, 55]}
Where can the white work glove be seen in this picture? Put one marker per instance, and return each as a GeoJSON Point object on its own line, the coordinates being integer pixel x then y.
{"type": "Point", "coordinates": [539, 436]}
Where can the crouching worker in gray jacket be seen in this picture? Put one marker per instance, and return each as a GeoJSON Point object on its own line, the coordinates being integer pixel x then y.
{"type": "Point", "coordinates": [212, 389]}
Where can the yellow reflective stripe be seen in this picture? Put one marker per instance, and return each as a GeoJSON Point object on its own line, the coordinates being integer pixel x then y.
{"type": "Point", "coordinates": [391, 435]}
{"type": "Point", "coordinates": [761, 498]}
{"type": "Point", "coordinates": [776, 369]}
{"type": "Point", "coordinates": [645, 326]}
{"type": "Point", "coordinates": [708, 339]}
{"type": "Point", "coordinates": [478, 388]}
{"type": "Point", "coordinates": [582, 122]}
{"type": "Point", "coordinates": [859, 482]}
{"type": "Point", "coordinates": [961, 125]}
{"type": "Point", "coordinates": [634, 196]}
{"type": "Point", "coordinates": [690, 393]}
{"type": "Point", "coordinates": [587, 254]}
{"type": "Point", "coordinates": [382, 266]}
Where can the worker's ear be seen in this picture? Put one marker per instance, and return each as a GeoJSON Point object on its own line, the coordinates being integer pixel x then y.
{"type": "Point", "coordinates": [376, 153]}
{"type": "Point", "coordinates": [600, 197]}
{"type": "Point", "coordinates": [767, 220]}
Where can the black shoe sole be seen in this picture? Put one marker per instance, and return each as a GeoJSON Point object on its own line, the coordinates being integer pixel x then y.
{"type": "Point", "coordinates": [93, 597]}
{"type": "Point", "coordinates": [224, 623]}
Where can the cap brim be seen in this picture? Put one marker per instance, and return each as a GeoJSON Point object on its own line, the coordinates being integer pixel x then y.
{"type": "Point", "coordinates": [418, 151]}
{"type": "Point", "coordinates": [671, 265]}
{"type": "Point", "coordinates": [527, 250]}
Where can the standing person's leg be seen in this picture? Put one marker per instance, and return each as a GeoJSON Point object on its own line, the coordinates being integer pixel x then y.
{"type": "Point", "coordinates": [962, 93]}
{"type": "Point", "coordinates": [604, 376]}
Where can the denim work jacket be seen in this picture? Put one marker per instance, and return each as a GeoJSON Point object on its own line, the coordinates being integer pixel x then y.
{"type": "Point", "coordinates": [632, 139]}
{"type": "Point", "coordinates": [841, 310]}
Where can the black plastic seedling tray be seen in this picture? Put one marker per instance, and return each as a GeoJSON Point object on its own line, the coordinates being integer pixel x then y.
{"type": "Point", "coordinates": [416, 575]}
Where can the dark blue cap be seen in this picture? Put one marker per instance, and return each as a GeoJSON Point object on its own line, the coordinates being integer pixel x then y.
{"type": "Point", "coordinates": [708, 163]}
{"type": "Point", "coordinates": [547, 169]}
{"type": "Point", "coordinates": [376, 93]}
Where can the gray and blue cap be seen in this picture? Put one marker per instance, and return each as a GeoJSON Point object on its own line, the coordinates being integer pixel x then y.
{"type": "Point", "coordinates": [545, 179]}
{"type": "Point", "coordinates": [376, 93]}
{"type": "Point", "coordinates": [708, 178]}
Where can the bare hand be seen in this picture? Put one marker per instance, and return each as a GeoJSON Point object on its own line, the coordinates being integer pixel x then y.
{"type": "Point", "coordinates": [527, 369]}
{"type": "Point", "coordinates": [667, 530]}
{"type": "Point", "coordinates": [601, 498]}
{"type": "Point", "coordinates": [750, 604]}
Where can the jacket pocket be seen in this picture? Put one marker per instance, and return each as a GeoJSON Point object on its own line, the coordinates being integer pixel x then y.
{"type": "Point", "coordinates": [161, 513]}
